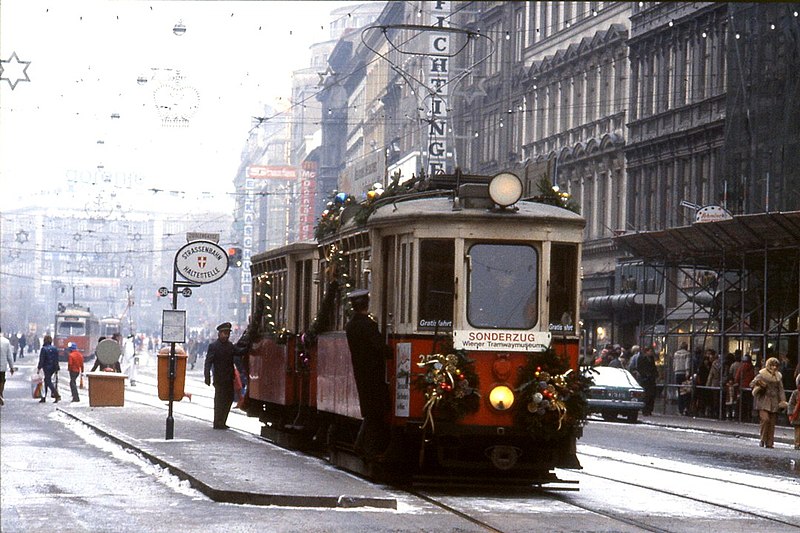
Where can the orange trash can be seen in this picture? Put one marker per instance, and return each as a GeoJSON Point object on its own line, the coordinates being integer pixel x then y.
{"type": "Point", "coordinates": [163, 374]}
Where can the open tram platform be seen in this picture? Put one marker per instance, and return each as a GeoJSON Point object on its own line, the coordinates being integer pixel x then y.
{"type": "Point", "coordinates": [238, 467]}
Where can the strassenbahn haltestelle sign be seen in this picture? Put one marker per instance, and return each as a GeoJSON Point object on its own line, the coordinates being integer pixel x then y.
{"type": "Point", "coordinates": [201, 262]}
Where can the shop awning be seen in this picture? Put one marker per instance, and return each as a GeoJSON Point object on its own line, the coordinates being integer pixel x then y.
{"type": "Point", "coordinates": [621, 302]}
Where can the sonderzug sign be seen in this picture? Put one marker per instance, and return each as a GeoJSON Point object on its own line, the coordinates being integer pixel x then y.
{"type": "Point", "coordinates": [201, 262]}
{"type": "Point", "coordinates": [489, 340]}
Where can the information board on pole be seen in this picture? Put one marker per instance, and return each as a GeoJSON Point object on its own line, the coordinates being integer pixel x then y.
{"type": "Point", "coordinates": [173, 325]}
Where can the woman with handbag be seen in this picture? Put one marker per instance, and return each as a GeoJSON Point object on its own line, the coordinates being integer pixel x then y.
{"type": "Point", "coordinates": [769, 398]}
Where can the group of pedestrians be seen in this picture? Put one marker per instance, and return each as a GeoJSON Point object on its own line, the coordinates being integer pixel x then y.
{"type": "Point", "coordinates": [20, 342]}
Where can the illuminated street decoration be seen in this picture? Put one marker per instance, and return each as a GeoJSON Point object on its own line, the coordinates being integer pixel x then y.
{"type": "Point", "coordinates": [176, 102]}
{"type": "Point", "coordinates": [13, 70]}
{"type": "Point", "coordinates": [426, 54]}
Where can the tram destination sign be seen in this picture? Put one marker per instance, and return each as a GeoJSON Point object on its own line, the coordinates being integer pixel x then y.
{"type": "Point", "coordinates": [201, 262]}
{"type": "Point", "coordinates": [501, 339]}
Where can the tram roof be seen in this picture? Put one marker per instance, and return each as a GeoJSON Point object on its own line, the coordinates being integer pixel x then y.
{"type": "Point", "coordinates": [712, 243]}
{"type": "Point", "coordinates": [442, 206]}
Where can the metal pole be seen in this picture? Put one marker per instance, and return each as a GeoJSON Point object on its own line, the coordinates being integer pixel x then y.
{"type": "Point", "coordinates": [172, 363]}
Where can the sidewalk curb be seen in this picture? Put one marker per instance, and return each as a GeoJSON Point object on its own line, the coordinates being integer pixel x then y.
{"type": "Point", "coordinates": [233, 496]}
{"type": "Point", "coordinates": [719, 431]}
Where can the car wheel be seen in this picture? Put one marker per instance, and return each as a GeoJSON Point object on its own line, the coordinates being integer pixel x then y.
{"type": "Point", "coordinates": [633, 417]}
{"type": "Point", "coordinates": [609, 416]}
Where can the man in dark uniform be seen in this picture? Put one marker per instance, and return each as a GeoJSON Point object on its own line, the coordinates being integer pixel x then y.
{"type": "Point", "coordinates": [369, 353]}
{"type": "Point", "coordinates": [219, 360]}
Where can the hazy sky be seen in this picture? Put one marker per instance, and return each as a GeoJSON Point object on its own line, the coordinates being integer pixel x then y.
{"type": "Point", "coordinates": [104, 76]}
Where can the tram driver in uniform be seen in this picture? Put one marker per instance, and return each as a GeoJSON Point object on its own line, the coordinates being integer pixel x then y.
{"type": "Point", "coordinates": [369, 353]}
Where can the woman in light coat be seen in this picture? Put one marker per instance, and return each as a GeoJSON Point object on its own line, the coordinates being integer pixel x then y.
{"type": "Point", "coordinates": [769, 398]}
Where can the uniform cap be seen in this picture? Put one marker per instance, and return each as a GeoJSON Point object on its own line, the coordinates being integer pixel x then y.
{"type": "Point", "coordinates": [358, 293]}
{"type": "Point", "coordinates": [225, 326]}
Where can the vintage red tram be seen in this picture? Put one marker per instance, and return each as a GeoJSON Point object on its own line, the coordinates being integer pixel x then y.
{"type": "Point", "coordinates": [478, 299]}
{"type": "Point", "coordinates": [75, 323]}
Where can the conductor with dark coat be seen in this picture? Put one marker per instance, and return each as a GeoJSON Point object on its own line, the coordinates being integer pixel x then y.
{"type": "Point", "coordinates": [369, 353]}
{"type": "Point", "coordinates": [219, 361]}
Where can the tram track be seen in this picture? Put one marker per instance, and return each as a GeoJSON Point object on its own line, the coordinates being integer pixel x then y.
{"type": "Point", "coordinates": [774, 490]}
{"type": "Point", "coordinates": [458, 503]}
{"type": "Point", "coordinates": [738, 486]}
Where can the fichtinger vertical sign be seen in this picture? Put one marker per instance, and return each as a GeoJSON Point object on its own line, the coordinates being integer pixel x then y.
{"type": "Point", "coordinates": [438, 71]}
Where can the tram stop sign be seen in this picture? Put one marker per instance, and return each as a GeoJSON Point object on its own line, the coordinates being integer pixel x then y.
{"type": "Point", "coordinates": [201, 262]}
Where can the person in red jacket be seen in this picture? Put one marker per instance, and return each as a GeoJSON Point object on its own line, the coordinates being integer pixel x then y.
{"type": "Point", "coordinates": [744, 375]}
{"type": "Point", "coordinates": [75, 367]}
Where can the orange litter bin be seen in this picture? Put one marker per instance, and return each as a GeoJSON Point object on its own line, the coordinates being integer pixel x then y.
{"type": "Point", "coordinates": [163, 374]}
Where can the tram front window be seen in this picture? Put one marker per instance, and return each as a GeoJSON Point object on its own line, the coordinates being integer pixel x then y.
{"type": "Point", "coordinates": [71, 328]}
{"type": "Point", "coordinates": [502, 286]}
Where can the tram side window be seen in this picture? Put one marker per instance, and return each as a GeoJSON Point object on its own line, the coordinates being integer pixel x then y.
{"type": "Point", "coordinates": [563, 287]}
{"type": "Point", "coordinates": [436, 279]}
{"type": "Point", "coordinates": [503, 286]}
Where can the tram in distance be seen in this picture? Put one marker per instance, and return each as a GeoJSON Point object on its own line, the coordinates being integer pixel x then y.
{"type": "Point", "coordinates": [476, 292]}
{"type": "Point", "coordinates": [75, 323]}
{"type": "Point", "coordinates": [110, 325]}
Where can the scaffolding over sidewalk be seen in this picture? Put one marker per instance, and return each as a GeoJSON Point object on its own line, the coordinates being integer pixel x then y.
{"type": "Point", "coordinates": [729, 285]}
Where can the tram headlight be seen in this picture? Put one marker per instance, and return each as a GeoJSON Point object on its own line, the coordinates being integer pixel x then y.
{"type": "Point", "coordinates": [505, 189]}
{"type": "Point", "coordinates": [501, 398]}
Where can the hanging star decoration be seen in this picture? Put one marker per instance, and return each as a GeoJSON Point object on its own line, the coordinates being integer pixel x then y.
{"type": "Point", "coordinates": [323, 76]}
{"type": "Point", "coordinates": [13, 70]}
{"type": "Point", "coordinates": [21, 236]}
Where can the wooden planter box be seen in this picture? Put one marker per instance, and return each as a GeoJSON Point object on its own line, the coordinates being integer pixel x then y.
{"type": "Point", "coordinates": [106, 389]}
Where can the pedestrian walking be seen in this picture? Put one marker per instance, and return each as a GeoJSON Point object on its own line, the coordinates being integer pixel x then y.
{"type": "Point", "coordinates": [369, 352]}
{"type": "Point", "coordinates": [128, 362]}
{"type": "Point", "coordinates": [219, 362]}
{"type": "Point", "coordinates": [681, 367]}
{"type": "Point", "coordinates": [769, 398]}
{"type": "Point", "coordinates": [647, 378]}
{"type": "Point", "coordinates": [6, 362]}
{"type": "Point", "coordinates": [48, 364]}
{"type": "Point", "coordinates": [744, 375]}
{"type": "Point", "coordinates": [75, 368]}
{"type": "Point", "coordinates": [23, 341]}
{"type": "Point", "coordinates": [14, 345]}
{"type": "Point", "coordinates": [794, 412]}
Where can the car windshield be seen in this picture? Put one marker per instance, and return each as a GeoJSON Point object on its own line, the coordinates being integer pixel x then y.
{"type": "Point", "coordinates": [613, 377]}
